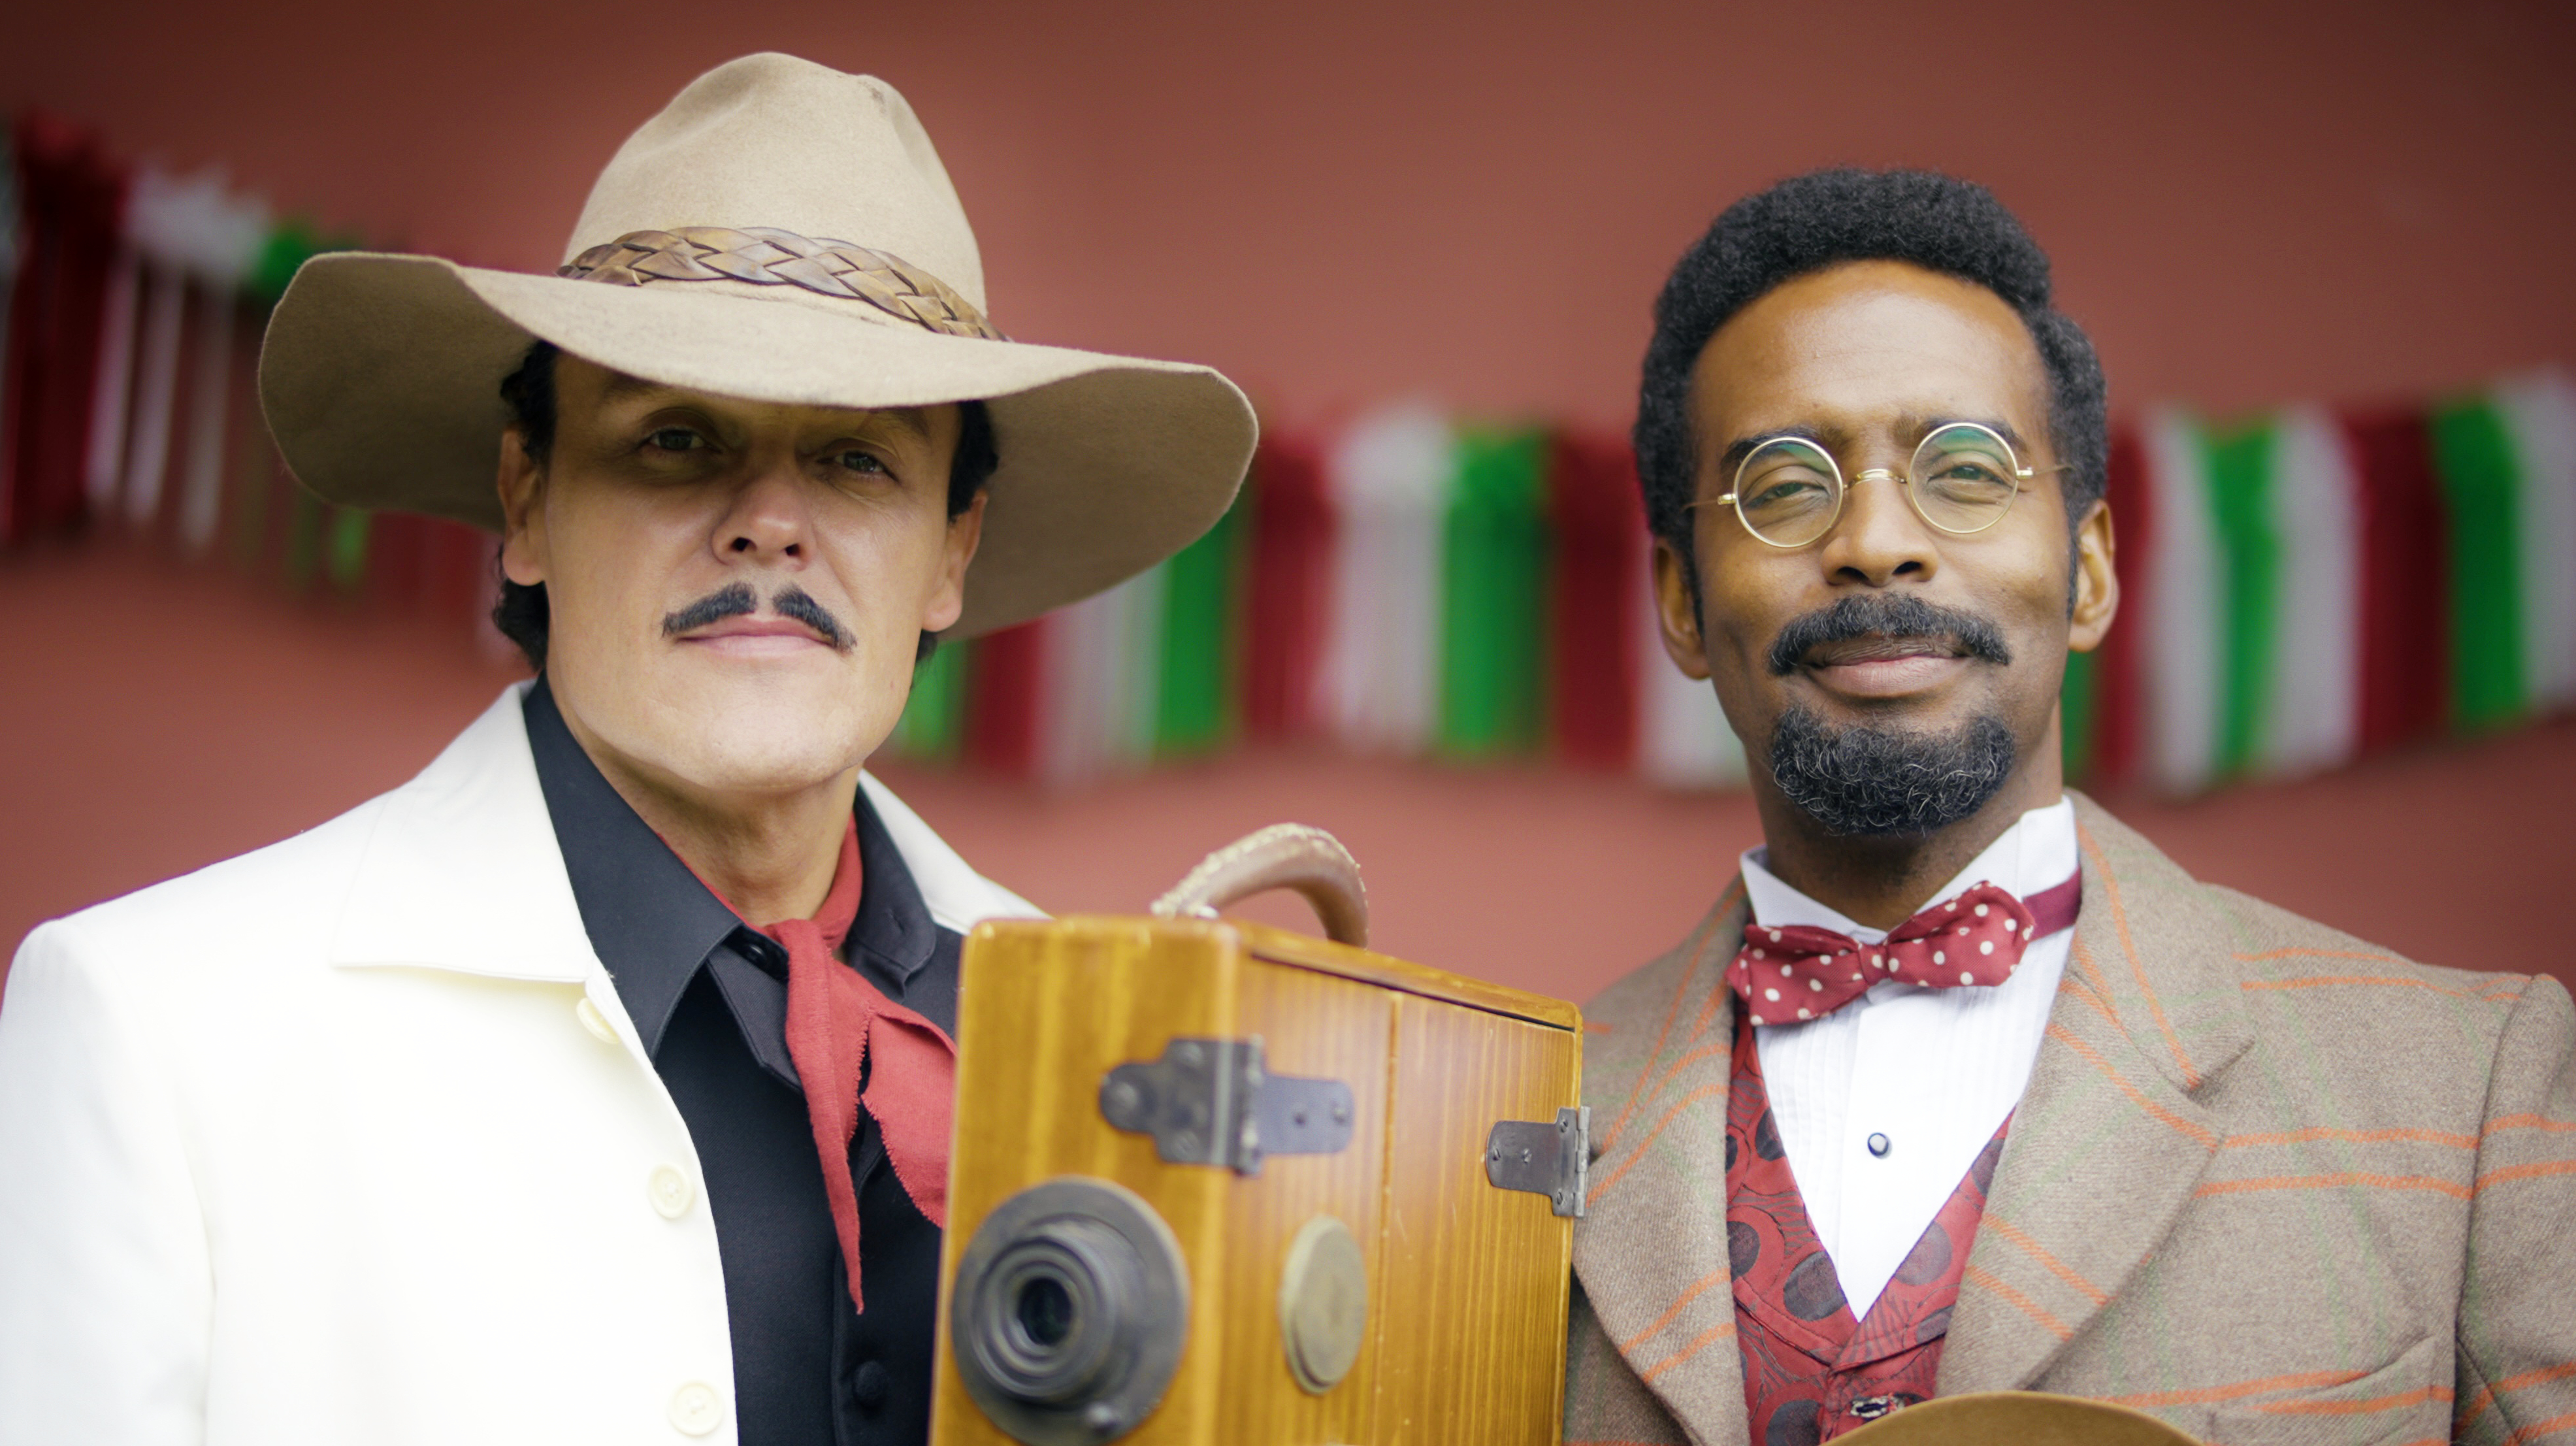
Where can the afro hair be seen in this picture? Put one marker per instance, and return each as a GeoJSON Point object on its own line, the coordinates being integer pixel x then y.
{"type": "Point", "coordinates": [1823, 218]}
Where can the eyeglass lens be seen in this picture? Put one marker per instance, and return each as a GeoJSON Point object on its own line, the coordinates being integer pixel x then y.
{"type": "Point", "coordinates": [1788, 491]}
{"type": "Point", "coordinates": [1964, 477]}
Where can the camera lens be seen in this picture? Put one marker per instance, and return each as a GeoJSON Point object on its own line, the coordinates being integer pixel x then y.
{"type": "Point", "coordinates": [1072, 1304]}
{"type": "Point", "coordinates": [1046, 1311]}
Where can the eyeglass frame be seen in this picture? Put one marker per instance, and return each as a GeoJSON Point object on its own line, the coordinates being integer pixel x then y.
{"type": "Point", "coordinates": [1904, 480]}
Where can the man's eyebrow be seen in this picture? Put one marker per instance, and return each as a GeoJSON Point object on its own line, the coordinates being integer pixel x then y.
{"type": "Point", "coordinates": [1742, 447]}
{"type": "Point", "coordinates": [622, 385]}
{"type": "Point", "coordinates": [1915, 425]}
{"type": "Point", "coordinates": [908, 418]}
{"type": "Point", "coordinates": [1918, 427]}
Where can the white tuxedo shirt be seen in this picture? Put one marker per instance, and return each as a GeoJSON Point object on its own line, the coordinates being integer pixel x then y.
{"type": "Point", "coordinates": [349, 1140]}
{"type": "Point", "coordinates": [1930, 1072]}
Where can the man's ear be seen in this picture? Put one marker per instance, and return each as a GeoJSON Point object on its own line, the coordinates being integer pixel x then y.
{"type": "Point", "coordinates": [948, 597]}
{"type": "Point", "coordinates": [1677, 610]}
{"type": "Point", "coordinates": [2097, 581]}
{"type": "Point", "coordinates": [522, 487]}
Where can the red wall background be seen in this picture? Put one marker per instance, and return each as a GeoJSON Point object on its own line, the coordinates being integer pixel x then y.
{"type": "Point", "coordinates": [1342, 203]}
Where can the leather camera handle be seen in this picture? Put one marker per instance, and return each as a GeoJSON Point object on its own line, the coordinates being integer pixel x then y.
{"type": "Point", "coordinates": [1282, 856]}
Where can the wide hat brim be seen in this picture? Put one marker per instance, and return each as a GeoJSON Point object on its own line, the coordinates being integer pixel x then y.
{"type": "Point", "coordinates": [2023, 1418]}
{"type": "Point", "coordinates": [380, 378]}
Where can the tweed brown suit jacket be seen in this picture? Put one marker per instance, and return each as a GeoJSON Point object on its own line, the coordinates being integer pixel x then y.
{"type": "Point", "coordinates": [2268, 1182]}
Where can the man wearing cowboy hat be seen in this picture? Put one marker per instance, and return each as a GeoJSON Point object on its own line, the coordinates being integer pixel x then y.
{"type": "Point", "coordinates": [595, 1085]}
{"type": "Point", "coordinates": [1962, 1086]}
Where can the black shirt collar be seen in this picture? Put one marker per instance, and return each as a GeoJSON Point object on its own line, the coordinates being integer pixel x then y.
{"type": "Point", "coordinates": [652, 922]}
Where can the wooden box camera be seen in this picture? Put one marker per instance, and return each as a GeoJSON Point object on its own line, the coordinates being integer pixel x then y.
{"type": "Point", "coordinates": [1216, 1182]}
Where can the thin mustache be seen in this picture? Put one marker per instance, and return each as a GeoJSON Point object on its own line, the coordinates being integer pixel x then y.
{"type": "Point", "coordinates": [795, 602]}
{"type": "Point", "coordinates": [737, 599]}
{"type": "Point", "coordinates": [1883, 616]}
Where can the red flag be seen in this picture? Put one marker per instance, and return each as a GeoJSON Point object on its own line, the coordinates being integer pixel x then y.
{"type": "Point", "coordinates": [1002, 690]}
{"type": "Point", "coordinates": [1288, 589]}
{"type": "Point", "coordinates": [2119, 696]}
{"type": "Point", "coordinates": [2405, 579]}
{"type": "Point", "coordinates": [71, 204]}
{"type": "Point", "coordinates": [1600, 525]}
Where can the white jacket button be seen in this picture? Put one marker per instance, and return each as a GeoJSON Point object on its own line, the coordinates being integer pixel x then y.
{"type": "Point", "coordinates": [594, 1021]}
{"type": "Point", "coordinates": [671, 1192]}
{"type": "Point", "coordinates": [695, 1409]}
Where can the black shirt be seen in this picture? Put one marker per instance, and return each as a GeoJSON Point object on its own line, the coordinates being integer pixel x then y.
{"type": "Point", "coordinates": [708, 994]}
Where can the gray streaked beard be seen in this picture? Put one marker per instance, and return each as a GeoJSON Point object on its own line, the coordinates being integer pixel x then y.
{"type": "Point", "coordinates": [1881, 782]}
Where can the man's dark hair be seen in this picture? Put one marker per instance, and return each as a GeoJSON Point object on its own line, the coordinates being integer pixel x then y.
{"type": "Point", "coordinates": [1823, 218]}
{"type": "Point", "coordinates": [529, 392]}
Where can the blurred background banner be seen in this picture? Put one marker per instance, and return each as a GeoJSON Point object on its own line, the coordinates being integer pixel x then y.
{"type": "Point", "coordinates": [2304, 586]}
{"type": "Point", "coordinates": [2324, 265]}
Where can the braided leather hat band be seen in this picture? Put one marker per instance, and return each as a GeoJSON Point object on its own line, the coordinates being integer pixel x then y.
{"type": "Point", "coordinates": [767, 256]}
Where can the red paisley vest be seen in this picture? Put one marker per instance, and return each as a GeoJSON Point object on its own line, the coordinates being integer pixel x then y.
{"type": "Point", "coordinates": [1812, 1371]}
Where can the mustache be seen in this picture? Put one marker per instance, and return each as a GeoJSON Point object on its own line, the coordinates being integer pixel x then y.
{"type": "Point", "coordinates": [1885, 615]}
{"type": "Point", "coordinates": [737, 599]}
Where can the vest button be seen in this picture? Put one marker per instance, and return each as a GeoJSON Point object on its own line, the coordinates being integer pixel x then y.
{"type": "Point", "coordinates": [1878, 1146]}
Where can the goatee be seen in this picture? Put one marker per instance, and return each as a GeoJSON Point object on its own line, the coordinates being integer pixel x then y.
{"type": "Point", "coordinates": [1885, 782]}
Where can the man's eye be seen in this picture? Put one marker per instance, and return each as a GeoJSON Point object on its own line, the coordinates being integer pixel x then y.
{"type": "Point", "coordinates": [675, 439]}
{"type": "Point", "coordinates": [865, 463]}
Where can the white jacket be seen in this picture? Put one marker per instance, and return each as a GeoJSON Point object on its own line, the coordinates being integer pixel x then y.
{"type": "Point", "coordinates": [349, 1140]}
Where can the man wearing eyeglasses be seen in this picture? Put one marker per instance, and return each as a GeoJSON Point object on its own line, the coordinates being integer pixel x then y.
{"type": "Point", "coordinates": [1961, 1085]}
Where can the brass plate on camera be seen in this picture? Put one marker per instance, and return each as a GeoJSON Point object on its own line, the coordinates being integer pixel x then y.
{"type": "Point", "coordinates": [1323, 1303]}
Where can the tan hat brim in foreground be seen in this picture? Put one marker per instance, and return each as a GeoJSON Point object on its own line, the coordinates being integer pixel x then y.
{"type": "Point", "coordinates": [380, 378]}
{"type": "Point", "coordinates": [2016, 1418]}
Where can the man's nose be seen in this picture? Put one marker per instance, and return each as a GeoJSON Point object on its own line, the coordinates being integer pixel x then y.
{"type": "Point", "coordinates": [1879, 538]}
{"type": "Point", "coordinates": [768, 521]}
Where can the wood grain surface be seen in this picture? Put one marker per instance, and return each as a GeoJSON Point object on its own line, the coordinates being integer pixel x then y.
{"type": "Point", "coordinates": [1467, 1283]}
{"type": "Point", "coordinates": [1478, 1351]}
{"type": "Point", "coordinates": [1305, 951]}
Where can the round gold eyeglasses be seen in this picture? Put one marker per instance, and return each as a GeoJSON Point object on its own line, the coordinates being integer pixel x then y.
{"type": "Point", "coordinates": [1789, 490]}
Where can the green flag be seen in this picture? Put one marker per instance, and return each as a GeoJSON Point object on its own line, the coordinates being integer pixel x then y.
{"type": "Point", "coordinates": [1199, 638]}
{"type": "Point", "coordinates": [933, 725]}
{"type": "Point", "coordinates": [2249, 547]}
{"type": "Point", "coordinates": [1493, 604]}
{"type": "Point", "coordinates": [2475, 458]}
{"type": "Point", "coordinates": [2077, 716]}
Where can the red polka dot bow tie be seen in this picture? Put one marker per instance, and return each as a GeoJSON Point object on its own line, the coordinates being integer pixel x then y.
{"type": "Point", "coordinates": [1800, 972]}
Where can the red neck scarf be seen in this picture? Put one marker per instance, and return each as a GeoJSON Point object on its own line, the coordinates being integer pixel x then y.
{"type": "Point", "coordinates": [835, 1018]}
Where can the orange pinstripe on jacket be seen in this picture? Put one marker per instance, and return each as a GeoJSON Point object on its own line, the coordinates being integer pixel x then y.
{"type": "Point", "coordinates": [2268, 1182]}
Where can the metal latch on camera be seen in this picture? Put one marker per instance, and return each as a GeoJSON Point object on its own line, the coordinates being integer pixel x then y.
{"type": "Point", "coordinates": [1211, 1102]}
{"type": "Point", "coordinates": [1552, 1160]}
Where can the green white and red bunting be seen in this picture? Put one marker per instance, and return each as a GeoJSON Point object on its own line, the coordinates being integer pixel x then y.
{"type": "Point", "coordinates": [2322, 585]}
{"type": "Point", "coordinates": [135, 303]}
{"type": "Point", "coordinates": [2301, 588]}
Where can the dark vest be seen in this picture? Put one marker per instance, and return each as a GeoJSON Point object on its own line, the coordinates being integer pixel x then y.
{"type": "Point", "coordinates": [1811, 1370]}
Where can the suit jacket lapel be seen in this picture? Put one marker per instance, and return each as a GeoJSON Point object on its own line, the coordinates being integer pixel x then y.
{"type": "Point", "coordinates": [462, 872]}
{"type": "Point", "coordinates": [1651, 1250]}
{"type": "Point", "coordinates": [2113, 1134]}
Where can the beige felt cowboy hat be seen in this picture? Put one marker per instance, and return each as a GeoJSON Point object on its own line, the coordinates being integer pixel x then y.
{"type": "Point", "coordinates": [781, 232]}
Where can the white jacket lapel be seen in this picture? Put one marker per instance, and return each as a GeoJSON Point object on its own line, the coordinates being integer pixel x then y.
{"type": "Point", "coordinates": [462, 870]}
